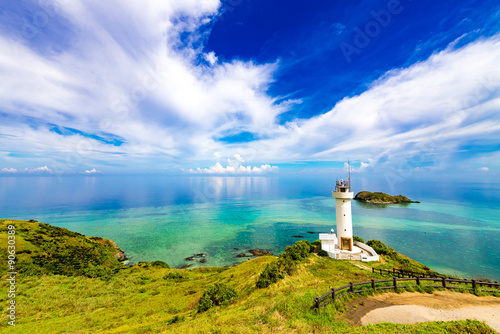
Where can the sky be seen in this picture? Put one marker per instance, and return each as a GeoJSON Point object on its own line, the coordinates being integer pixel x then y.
{"type": "Point", "coordinates": [402, 89]}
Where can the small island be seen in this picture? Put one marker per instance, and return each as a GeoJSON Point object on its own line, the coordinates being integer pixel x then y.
{"type": "Point", "coordinates": [381, 198]}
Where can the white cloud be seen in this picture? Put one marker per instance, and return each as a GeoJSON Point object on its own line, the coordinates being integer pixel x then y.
{"type": "Point", "coordinates": [484, 169]}
{"type": "Point", "coordinates": [234, 167]}
{"type": "Point", "coordinates": [128, 73]}
{"type": "Point", "coordinates": [239, 158]}
{"type": "Point", "coordinates": [210, 57]}
{"type": "Point", "coordinates": [43, 169]}
{"type": "Point", "coordinates": [9, 170]}
{"type": "Point", "coordinates": [92, 171]}
{"type": "Point", "coordinates": [218, 169]}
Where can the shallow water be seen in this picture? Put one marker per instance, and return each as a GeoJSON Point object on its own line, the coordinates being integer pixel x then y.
{"type": "Point", "coordinates": [455, 229]}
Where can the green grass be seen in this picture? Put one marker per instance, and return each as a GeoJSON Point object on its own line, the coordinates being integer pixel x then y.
{"type": "Point", "coordinates": [147, 298]}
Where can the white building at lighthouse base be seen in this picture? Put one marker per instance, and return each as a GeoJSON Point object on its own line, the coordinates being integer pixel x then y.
{"type": "Point", "coordinates": [359, 252]}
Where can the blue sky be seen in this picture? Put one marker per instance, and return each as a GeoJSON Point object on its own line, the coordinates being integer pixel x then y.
{"type": "Point", "coordinates": [402, 88]}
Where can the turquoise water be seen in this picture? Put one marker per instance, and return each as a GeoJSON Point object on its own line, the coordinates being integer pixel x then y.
{"type": "Point", "coordinates": [455, 229]}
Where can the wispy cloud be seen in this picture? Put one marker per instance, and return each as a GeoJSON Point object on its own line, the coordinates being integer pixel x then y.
{"type": "Point", "coordinates": [131, 73]}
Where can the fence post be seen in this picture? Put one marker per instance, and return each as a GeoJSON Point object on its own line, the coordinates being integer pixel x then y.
{"type": "Point", "coordinates": [352, 286]}
{"type": "Point", "coordinates": [333, 293]}
{"type": "Point", "coordinates": [317, 302]}
{"type": "Point", "coordinates": [373, 284]}
{"type": "Point", "coordinates": [444, 281]}
{"type": "Point", "coordinates": [474, 284]}
{"type": "Point", "coordinates": [418, 280]}
{"type": "Point", "coordinates": [411, 272]}
{"type": "Point", "coordinates": [373, 270]}
{"type": "Point", "coordinates": [395, 282]}
{"type": "Point", "coordinates": [393, 271]}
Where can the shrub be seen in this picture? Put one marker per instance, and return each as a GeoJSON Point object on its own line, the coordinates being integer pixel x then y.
{"type": "Point", "coordinates": [379, 247]}
{"type": "Point", "coordinates": [160, 264]}
{"type": "Point", "coordinates": [356, 238]}
{"type": "Point", "coordinates": [270, 275]}
{"type": "Point", "coordinates": [216, 295]}
{"type": "Point", "coordinates": [316, 243]}
{"type": "Point", "coordinates": [176, 319]}
{"type": "Point", "coordinates": [173, 276]}
{"type": "Point", "coordinates": [287, 261]}
{"type": "Point", "coordinates": [286, 264]}
{"type": "Point", "coordinates": [322, 253]}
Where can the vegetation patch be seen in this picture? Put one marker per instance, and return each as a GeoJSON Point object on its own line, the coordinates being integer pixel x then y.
{"type": "Point", "coordinates": [216, 295]}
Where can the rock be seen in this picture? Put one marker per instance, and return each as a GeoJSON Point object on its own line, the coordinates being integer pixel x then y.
{"type": "Point", "coordinates": [200, 255]}
{"type": "Point", "coordinates": [258, 252]}
{"type": "Point", "coordinates": [381, 198]}
{"type": "Point", "coordinates": [120, 254]}
{"type": "Point", "coordinates": [203, 260]}
{"type": "Point", "coordinates": [311, 232]}
{"type": "Point", "coordinates": [186, 266]}
{"type": "Point", "coordinates": [235, 248]}
{"type": "Point", "coordinates": [191, 258]}
{"type": "Point", "coordinates": [241, 255]}
{"type": "Point", "coordinates": [298, 236]}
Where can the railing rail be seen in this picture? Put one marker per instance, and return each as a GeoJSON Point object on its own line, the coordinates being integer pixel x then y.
{"type": "Point", "coordinates": [444, 283]}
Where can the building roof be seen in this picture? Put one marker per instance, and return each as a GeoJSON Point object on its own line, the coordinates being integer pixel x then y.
{"type": "Point", "coordinates": [327, 236]}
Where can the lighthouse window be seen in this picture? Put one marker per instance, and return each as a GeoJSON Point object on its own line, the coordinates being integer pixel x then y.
{"type": "Point", "coordinates": [343, 201]}
{"type": "Point", "coordinates": [344, 214]}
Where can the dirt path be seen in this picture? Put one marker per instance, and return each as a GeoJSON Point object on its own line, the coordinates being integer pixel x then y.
{"type": "Point", "coordinates": [408, 308]}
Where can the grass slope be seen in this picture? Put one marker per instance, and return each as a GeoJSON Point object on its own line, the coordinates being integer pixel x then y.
{"type": "Point", "coordinates": [150, 299]}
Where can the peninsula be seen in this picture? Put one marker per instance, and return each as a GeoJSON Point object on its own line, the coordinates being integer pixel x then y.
{"type": "Point", "coordinates": [381, 198]}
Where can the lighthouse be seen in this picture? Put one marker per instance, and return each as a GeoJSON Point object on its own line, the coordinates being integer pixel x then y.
{"type": "Point", "coordinates": [341, 246]}
{"type": "Point", "coordinates": [343, 196]}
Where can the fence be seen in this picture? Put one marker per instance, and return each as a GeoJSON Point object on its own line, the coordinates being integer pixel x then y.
{"type": "Point", "coordinates": [402, 273]}
{"type": "Point", "coordinates": [372, 286]}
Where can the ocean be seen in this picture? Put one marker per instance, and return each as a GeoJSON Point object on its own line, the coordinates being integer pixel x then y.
{"type": "Point", "coordinates": [455, 229]}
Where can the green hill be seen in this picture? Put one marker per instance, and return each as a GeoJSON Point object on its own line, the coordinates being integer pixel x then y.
{"type": "Point", "coordinates": [152, 298]}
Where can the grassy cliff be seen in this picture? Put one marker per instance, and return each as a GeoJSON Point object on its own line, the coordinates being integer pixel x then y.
{"type": "Point", "coordinates": [45, 249]}
{"type": "Point", "coordinates": [152, 298]}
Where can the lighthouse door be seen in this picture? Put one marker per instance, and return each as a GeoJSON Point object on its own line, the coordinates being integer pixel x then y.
{"type": "Point", "coordinates": [345, 244]}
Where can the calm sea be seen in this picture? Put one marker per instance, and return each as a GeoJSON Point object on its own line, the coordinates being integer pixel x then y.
{"type": "Point", "coordinates": [455, 229]}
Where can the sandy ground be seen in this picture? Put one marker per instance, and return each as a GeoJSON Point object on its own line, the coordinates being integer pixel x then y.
{"type": "Point", "coordinates": [409, 308]}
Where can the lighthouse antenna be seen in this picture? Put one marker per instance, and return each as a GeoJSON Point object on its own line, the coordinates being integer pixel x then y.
{"type": "Point", "coordinates": [349, 165]}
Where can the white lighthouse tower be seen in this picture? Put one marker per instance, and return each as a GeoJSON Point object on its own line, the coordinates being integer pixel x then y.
{"type": "Point", "coordinates": [343, 196]}
{"type": "Point", "coordinates": [343, 247]}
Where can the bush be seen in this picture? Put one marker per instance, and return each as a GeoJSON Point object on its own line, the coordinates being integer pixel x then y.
{"type": "Point", "coordinates": [287, 261]}
{"type": "Point", "coordinates": [356, 238]}
{"type": "Point", "coordinates": [160, 264]}
{"type": "Point", "coordinates": [379, 247]}
{"type": "Point", "coordinates": [286, 264]}
{"type": "Point", "coordinates": [322, 253]}
{"type": "Point", "coordinates": [176, 319]}
{"type": "Point", "coordinates": [173, 276]}
{"type": "Point", "coordinates": [216, 295]}
{"type": "Point", "coordinates": [316, 243]}
{"type": "Point", "coordinates": [270, 275]}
